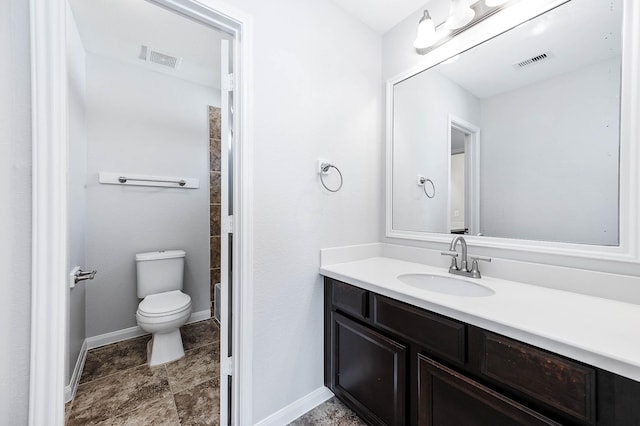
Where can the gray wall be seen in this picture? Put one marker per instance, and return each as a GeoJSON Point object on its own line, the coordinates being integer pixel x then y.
{"type": "Point", "coordinates": [77, 200]}
{"type": "Point", "coordinates": [549, 159]}
{"type": "Point", "coordinates": [143, 122]}
{"type": "Point", "coordinates": [15, 211]}
{"type": "Point", "coordinates": [422, 105]}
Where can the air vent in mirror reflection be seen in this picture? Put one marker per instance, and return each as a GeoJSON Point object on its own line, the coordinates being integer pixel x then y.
{"type": "Point", "coordinates": [543, 57]}
{"type": "Point", "coordinates": [148, 54]}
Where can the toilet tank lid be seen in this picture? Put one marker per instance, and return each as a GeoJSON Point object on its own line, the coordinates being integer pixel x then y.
{"type": "Point", "coordinates": [162, 254]}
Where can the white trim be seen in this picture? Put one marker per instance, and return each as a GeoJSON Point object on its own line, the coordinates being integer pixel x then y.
{"type": "Point", "coordinates": [297, 408]}
{"type": "Point", "coordinates": [135, 331]}
{"type": "Point", "coordinates": [199, 316]}
{"type": "Point", "coordinates": [49, 207]}
{"type": "Point", "coordinates": [542, 251]}
{"type": "Point", "coordinates": [72, 387]}
{"type": "Point", "coordinates": [227, 144]}
{"type": "Point", "coordinates": [242, 280]}
{"type": "Point", "coordinates": [114, 337]}
{"type": "Point", "coordinates": [49, 127]}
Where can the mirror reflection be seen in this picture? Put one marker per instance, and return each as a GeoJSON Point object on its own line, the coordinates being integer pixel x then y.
{"type": "Point", "coordinates": [519, 135]}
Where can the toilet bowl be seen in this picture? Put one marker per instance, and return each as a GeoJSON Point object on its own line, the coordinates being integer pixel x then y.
{"type": "Point", "coordinates": [164, 307]}
{"type": "Point", "coordinates": [162, 315]}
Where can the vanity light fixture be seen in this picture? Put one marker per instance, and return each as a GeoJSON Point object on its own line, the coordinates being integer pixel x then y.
{"type": "Point", "coordinates": [494, 3]}
{"type": "Point", "coordinates": [426, 36]}
{"type": "Point", "coordinates": [460, 14]}
{"type": "Point", "coordinates": [463, 14]}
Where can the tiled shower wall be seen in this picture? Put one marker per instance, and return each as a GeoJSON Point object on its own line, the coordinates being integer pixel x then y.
{"type": "Point", "coordinates": [214, 207]}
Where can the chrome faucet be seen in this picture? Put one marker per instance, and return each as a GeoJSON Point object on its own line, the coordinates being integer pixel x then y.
{"type": "Point", "coordinates": [463, 269]}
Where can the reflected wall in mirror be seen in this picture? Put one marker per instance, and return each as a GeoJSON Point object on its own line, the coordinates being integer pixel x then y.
{"type": "Point", "coordinates": [520, 134]}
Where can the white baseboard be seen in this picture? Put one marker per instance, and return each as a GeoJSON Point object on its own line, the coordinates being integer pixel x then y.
{"type": "Point", "coordinates": [200, 316]}
{"type": "Point", "coordinates": [70, 389]}
{"type": "Point", "coordinates": [297, 408]}
{"type": "Point", "coordinates": [131, 332]}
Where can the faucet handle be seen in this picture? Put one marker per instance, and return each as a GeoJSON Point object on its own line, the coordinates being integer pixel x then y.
{"type": "Point", "coordinates": [454, 262]}
{"type": "Point", "coordinates": [475, 272]}
{"type": "Point", "coordinates": [476, 258]}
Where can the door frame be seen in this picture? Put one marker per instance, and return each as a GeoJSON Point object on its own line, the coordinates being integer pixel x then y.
{"type": "Point", "coordinates": [471, 172]}
{"type": "Point", "coordinates": [49, 202]}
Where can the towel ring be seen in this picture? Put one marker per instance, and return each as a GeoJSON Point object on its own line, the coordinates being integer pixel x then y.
{"type": "Point", "coordinates": [423, 182]}
{"type": "Point", "coordinates": [324, 169]}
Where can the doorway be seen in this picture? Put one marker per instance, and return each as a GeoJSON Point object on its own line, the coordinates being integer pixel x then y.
{"type": "Point", "coordinates": [464, 177]}
{"type": "Point", "coordinates": [51, 212]}
{"type": "Point", "coordinates": [458, 184]}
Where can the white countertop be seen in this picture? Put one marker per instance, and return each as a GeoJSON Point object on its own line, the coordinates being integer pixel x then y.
{"type": "Point", "coordinates": [596, 331]}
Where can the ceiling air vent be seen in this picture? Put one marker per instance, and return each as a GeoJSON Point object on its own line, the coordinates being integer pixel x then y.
{"type": "Point", "coordinates": [543, 57]}
{"type": "Point", "coordinates": [161, 58]}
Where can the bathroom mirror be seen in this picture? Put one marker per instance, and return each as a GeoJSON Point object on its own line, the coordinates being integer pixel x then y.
{"type": "Point", "coordinates": [517, 137]}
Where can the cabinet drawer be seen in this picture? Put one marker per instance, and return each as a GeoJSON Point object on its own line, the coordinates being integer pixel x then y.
{"type": "Point", "coordinates": [448, 398]}
{"type": "Point", "coordinates": [438, 335]}
{"type": "Point", "coordinates": [565, 385]}
{"type": "Point", "coordinates": [349, 299]}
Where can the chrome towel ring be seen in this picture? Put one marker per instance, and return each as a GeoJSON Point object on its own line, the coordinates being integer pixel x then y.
{"type": "Point", "coordinates": [324, 170]}
{"type": "Point", "coordinates": [423, 182]}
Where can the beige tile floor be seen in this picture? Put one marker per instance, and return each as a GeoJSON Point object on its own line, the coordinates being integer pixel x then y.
{"type": "Point", "coordinates": [118, 388]}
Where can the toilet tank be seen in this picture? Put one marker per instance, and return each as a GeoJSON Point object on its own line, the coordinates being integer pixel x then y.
{"type": "Point", "coordinates": [159, 271]}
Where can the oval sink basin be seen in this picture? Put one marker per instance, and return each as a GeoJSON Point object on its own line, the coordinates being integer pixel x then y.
{"type": "Point", "coordinates": [446, 285]}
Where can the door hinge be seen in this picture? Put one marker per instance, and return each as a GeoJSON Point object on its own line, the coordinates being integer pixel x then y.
{"type": "Point", "coordinates": [227, 366]}
{"type": "Point", "coordinates": [228, 82]}
{"type": "Point", "coordinates": [227, 225]}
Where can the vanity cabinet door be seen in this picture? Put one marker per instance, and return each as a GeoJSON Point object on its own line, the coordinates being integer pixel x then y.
{"type": "Point", "coordinates": [448, 398]}
{"type": "Point", "coordinates": [368, 371]}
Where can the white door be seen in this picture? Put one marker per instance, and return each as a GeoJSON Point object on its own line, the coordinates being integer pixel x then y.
{"type": "Point", "coordinates": [76, 209]}
{"type": "Point", "coordinates": [227, 382]}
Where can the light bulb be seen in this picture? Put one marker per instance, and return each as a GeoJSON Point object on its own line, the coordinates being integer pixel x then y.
{"type": "Point", "coordinates": [460, 14]}
{"type": "Point", "coordinates": [426, 36]}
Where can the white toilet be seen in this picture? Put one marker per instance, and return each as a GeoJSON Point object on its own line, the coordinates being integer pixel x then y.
{"type": "Point", "coordinates": [164, 308]}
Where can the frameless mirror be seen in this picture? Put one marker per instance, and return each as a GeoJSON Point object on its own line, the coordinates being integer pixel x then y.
{"type": "Point", "coordinates": [517, 137]}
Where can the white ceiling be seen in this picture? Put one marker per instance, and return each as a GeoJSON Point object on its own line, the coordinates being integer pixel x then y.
{"type": "Point", "coordinates": [579, 33]}
{"type": "Point", "coordinates": [380, 15]}
{"type": "Point", "coordinates": [118, 28]}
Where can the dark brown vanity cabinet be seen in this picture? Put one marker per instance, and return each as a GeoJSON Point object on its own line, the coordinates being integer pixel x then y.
{"type": "Point", "coordinates": [396, 364]}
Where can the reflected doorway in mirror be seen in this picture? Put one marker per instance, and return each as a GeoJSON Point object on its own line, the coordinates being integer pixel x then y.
{"type": "Point", "coordinates": [464, 177]}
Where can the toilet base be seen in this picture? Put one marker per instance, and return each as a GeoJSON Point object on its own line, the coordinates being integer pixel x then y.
{"type": "Point", "coordinates": [164, 348]}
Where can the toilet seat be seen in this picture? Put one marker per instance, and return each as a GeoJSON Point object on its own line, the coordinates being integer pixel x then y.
{"type": "Point", "coordinates": [164, 304]}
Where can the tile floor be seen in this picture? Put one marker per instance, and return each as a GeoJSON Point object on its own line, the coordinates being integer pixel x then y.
{"type": "Point", "coordinates": [118, 388]}
{"type": "Point", "coordinates": [330, 413]}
